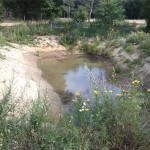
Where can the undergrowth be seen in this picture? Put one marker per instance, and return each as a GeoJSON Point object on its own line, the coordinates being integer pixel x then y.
{"type": "Point", "coordinates": [106, 122]}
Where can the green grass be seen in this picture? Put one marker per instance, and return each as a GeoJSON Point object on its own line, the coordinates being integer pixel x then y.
{"type": "Point", "coordinates": [109, 123]}
{"type": "Point", "coordinates": [129, 48]}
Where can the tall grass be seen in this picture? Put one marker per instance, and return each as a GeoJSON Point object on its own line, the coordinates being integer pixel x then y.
{"type": "Point", "coordinates": [107, 122]}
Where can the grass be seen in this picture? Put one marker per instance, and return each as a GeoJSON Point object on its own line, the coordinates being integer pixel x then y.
{"type": "Point", "coordinates": [129, 48]}
{"type": "Point", "coordinates": [91, 48]}
{"type": "Point", "coordinates": [107, 122]}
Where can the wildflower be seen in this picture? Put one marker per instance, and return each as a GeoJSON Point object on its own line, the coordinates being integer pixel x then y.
{"type": "Point", "coordinates": [119, 95]}
{"type": "Point", "coordinates": [135, 82]}
{"type": "Point", "coordinates": [124, 91]}
{"type": "Point", "coordinates": [87, 109]}
{"type": "Point", "coordinates": [81, 110]}
{"type": "Point", "coordinates": [148, 90]}
{"type": "Point", "coordinates": [77, 93]}
{"type": "Point", "coordinates": [88, 100]}
{"type": "Point", "coordinates": [110, 91]}
{"type": "Point", "coordinates": [84, 104]}
{"type": "Point", "coordinates": [96, 92]}
{"type": "Point", "coordinates": [129, 97]}
{"type": "Point", "coordinates": [105, 91]}
{"type": "Point", "coordinates": [74, 100]}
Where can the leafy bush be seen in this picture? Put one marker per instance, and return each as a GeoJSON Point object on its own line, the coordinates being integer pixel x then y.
{"type": "Point", "coordinates": [80, 15]}
{"type": "Point", "coordinates": [70, 38]}
{"type": "Point", "coordinates": [108, 11]}
{"type": "Point", "coordinates": [91, 47]}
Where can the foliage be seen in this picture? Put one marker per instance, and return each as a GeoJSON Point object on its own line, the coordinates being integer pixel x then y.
{"type": "Point", "coordinates": [107, 122]}
{"type": "Point", "coordinates": [146, 13]}
{"type": "Point", "coordinates": [130, 48]}
{"type": "Point", "coordinates": [80, 15]}
{"type": "Point", "coordinates": [91, 48]}
{"type": "Point", "coordinates": [142, 39]}
{"type": "Point", "coordinates": [1, 11]}
{"type": "Point", "coordinates": [70, 38]}
{"type": "Point", "coordinates": [133, 8]}
{"type": "Point", "coordinates": [109, 11]}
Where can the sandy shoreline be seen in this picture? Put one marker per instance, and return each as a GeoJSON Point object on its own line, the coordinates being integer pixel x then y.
{"type": "Point", "coordinates": [20, 67]}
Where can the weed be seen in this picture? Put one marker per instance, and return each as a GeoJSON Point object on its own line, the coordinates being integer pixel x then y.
{"type": "Point", "coordinates": [130, 48]}
{"type": "Point", "coordinates": [107, 122]}
{"type": "Point", "coordinates": [117, 69]}
{"type": "Point", "coordinates": [91, 47]}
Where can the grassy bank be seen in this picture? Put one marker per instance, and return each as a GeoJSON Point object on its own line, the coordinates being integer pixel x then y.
{"type": "Point", "coordinates": [107, 122]}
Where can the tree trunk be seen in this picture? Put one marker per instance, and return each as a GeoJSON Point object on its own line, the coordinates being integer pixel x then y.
{"type": "Point", "coordinates": [91, 10]}
{"type": "Point", "coordinates": [69, 11]}
{"type": "Point", "coordinates": [148, 25]}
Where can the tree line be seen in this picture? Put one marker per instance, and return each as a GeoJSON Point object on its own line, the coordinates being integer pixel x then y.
{"type": "Point", "coordinates": [105, 11]}
{"type": "Point", "coordinates": [33, 9]}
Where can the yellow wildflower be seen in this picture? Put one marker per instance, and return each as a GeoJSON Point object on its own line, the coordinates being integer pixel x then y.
{"type": "Point", "coordinates": [124, 91]}
{"type": "Point", "coordinates": [96, 92]}
{"type": "Point", "coordinates": [87, 109]}
{"type": "Point", "coordinates": [105, 91]}
{"type": "Point", "coordinates": [77, 93]}
{"type": "Point", "coordinates": [136, 82]}
{"type": "Point", "coordinates": [110, 91]}
{"type": "Point", "coordinates": [119, 95]}
{"type": "Point", "coordinates": [88, 100]}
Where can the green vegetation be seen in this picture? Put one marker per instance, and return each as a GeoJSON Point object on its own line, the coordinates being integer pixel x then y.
{"type": "Point", "coordinates": [142, 39]}
{"type": "Point", "coordinates": [146, 13]}
{"type": "Point", "coordinates": [109, 11]}
{"type": "Point", "coordinates": [130, 48]}
{"type": "Point", "coordinates": [107, 122]}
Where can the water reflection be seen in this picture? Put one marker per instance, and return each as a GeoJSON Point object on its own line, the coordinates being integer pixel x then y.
{"type": "Point", "coordinates": [71, 75]}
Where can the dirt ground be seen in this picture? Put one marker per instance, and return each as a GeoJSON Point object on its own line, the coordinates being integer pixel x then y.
{"type": "Point", "coordinates": [12, 23]}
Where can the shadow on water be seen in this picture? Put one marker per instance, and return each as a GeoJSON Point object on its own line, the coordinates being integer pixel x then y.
{"type": "Point", "coordinates": [76, 73]}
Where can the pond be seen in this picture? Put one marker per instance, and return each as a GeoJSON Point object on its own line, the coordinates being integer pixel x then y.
{"type": "Point", "coordinates": [76, 73]}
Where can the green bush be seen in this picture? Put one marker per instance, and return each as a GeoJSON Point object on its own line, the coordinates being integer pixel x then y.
{"type": "Point", "coordinates": [91, 48]}
{"type": "Point", "coordinates": [70, 38]}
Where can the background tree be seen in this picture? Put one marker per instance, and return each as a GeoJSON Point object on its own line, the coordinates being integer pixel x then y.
{"type": "Point", "coordinates": [80, 14]}
{"type": "Point", "coordinates": [146, 13]}
{"type": "Point", "coordinates": [109, 10]}
{"type": "Point", "coordinates": [1, 11]}
{"type": "Point", "coordinates": [70, 6]}
{"type": "Point", "coordinates": [51, 10]}
{"type": "Point", "coordinates": [133, 8]}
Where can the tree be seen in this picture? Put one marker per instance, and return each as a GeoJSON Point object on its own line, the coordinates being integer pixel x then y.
{"type": "Point", "coordinates": [70, 5]}
{"type": "Point", "coordinates": [109, 10]}
{"type": "Point", "coordinates": [146, 13]}
{"type": "Point", "coordinates": [1, 12]}
{"type": "Point", "coordinates": [51, 10]}
{"type": "Point", "coordinates": [89, 4]}
{"type": "Point", "coordinates": [132, 8]}
{"type": "Point", "coordinates": [80, 14]}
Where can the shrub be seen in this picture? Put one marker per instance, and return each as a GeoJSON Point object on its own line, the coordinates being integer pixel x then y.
{"type": "Point", "coordinates": [109, 11]}
{"type": "Point", "coordinates": [80, 15]}
{"type": "Point", "coordinates": [91, 47]}
{"type": "Point", "coordinates": [70, 38]}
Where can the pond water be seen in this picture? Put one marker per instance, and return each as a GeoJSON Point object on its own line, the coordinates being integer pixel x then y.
{"type": "Point", "coordinates": [76, 73]}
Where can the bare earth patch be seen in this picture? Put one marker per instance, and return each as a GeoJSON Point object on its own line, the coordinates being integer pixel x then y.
{"type": "Point", "coordinates": [19, 69]}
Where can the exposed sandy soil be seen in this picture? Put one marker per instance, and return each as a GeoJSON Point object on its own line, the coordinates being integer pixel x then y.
{"type": "Point", "coordinates": [19, 67]}
{"type": "Point", "coordinates": [12, 23]}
